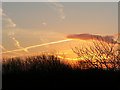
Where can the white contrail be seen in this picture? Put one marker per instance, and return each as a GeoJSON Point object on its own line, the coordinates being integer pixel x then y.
{"type": "Point", "coordinates": [29, 47]}
{"type": "Point", "coordinates": [3, 48]}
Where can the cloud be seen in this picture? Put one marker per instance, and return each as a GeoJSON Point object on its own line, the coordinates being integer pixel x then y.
{"type": "Point", "coordinates": [8, 20]}
{"type": "Point", "coordinates": [108, 39]}
{"type": "Point", "coordinates": [59, 9]}
{"type": "Point", "coordinates": [44, 23]}
{"type": "Point", "coordinates": [1, 12]}
{"type": "Point", "coordinates": [16, 42]}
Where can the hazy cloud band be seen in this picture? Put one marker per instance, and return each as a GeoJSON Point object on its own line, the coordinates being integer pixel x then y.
{"type": "Point", "coordinates": [108, 39]}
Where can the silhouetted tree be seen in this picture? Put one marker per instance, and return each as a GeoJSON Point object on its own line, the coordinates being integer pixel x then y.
{"type": "Point", "coordinates": [102, 55]}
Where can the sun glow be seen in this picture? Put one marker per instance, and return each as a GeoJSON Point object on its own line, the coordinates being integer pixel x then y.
{"type": "Point", "coordinates": [67, 58]}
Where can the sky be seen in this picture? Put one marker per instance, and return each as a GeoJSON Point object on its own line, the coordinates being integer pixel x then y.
{"type": "Point", "coordinates": [27, 24]}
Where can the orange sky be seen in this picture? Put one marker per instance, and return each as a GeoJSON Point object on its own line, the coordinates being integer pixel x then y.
{"type": "Point", "coordinates": [33, 28]}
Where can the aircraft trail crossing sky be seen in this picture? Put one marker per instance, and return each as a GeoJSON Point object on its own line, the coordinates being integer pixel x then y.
{"type": "Point", "coordinates": [29, 47]}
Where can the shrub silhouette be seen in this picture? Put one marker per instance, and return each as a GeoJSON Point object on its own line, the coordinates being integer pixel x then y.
{"type": "Point", "coordinates": [42, 63]}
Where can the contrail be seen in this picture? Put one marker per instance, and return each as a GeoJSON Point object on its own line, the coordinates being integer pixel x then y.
{"type": "Point", "coordinates": [3, 48]}
{"type": "Point", "coordinates": [29, 47]}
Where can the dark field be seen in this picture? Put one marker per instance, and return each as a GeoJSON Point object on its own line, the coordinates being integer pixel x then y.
{"type": "Point", "coordinates": [48, 72]}
{"type": "Point", "coordinates": [79, 79]}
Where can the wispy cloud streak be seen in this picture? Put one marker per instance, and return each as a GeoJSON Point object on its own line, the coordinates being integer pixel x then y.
{"type": "Point", "coordinates": [6, 18]}
{"type": "Point", "coordinates": [16, 42]}
{"type": "Point", "coordinates": [58, 7]}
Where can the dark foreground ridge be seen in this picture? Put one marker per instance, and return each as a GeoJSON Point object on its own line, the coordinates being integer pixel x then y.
{"type": "Point", "coordinates": [48, 72]}
{"type": "Point", "coordinates": [89, 78]}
